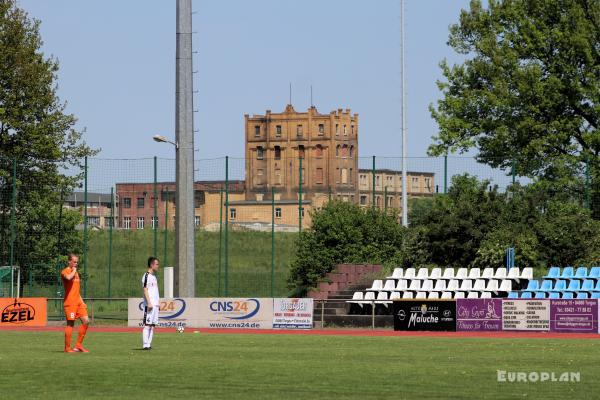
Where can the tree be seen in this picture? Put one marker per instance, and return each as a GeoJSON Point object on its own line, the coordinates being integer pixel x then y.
{"type": "Point", "coordinates": [37, 133]}
{"type": "Point", "coordinates": [454, 225]}
{"type": "Point", "coordinates": [528, 90]}
{"type": "Point", "coordinates": [344, 233]}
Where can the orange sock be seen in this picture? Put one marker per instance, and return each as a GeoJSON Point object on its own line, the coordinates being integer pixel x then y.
{"type": "Point", "coordinates": [68, 332]}
{"type": "Point", "coordinates": [82, 331]}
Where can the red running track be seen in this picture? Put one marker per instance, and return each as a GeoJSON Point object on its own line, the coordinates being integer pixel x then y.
{"type": "Point", "coordinates": [334, 332]}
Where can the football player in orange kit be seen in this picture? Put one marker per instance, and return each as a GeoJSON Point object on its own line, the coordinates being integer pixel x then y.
{"type": "Point", "coordinates": [74, 306]}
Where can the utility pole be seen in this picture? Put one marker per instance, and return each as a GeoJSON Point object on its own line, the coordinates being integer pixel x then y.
{"type": "Point", "coordinates": [184, 153]}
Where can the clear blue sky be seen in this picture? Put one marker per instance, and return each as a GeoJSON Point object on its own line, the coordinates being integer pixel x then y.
{"type": "Point", "coordinates": [117, 70]}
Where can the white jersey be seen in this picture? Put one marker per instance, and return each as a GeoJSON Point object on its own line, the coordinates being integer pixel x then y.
{"type": "Point", "coordinates": [149, 281]}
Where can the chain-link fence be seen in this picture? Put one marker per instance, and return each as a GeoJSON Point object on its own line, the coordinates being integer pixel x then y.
{"type": "Point", "coordinates": [248, 213]}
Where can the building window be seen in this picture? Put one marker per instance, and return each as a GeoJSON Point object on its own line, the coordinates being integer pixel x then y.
{"type": "Point", "coordinates": [127, 222]}
{"type": "Point", "coordinates": [337, 129]}
{"type": "Point", "coordinates": [278, 180]}
{"type": "Point", "coordinates": [126, 202]}
{"type": "Point", "coordinates": [415, 184]}
{"type": "Point", "coordinates": [377, 180]}
{"type": "Point", "coordinates": [344, 177]}
{"type": "Point", "coordinates": [154, 222]}
{"type": "Point", "coordinates": [318, 151]}
{"type": "Point", "coordinates": [93, 221]}
{"type": "Point", "coordinates": [140, 202]}
{"type": "Point", "coordinates": [278, 131]}
{"type": "Point", "coordinates": [319, 176]}
{"type": "Point", "coordinates": [301, 151]}
{"type": "Point", "coordinates": [363, 199]}
{"type": "Point", "coordinates": [278, 212]}
{"type": "Point", "coordinates": [108, 222]}
{"type": "Point", "coordinates": [259, 176]}
{"type": "Point", "coordinates": [277, 152]}
{"type": "Point", "coordinates": [196, 221]}
{"type": "Point", "coordinates": [350, 175]}
{"type": "Point", "coordinates": [257, 130]}
{"type": "Point", "coordinates": [378, 201]}
{"type": "Point", "coordinates": [140, 222]}
{"type": "Point", "coordinates": [345, 130]}
{"type": "Point", "coordinates": [232, 213]}
{"type": "Point", "coordinates": [260, 153]}
{"type": "Point", "coordinates": [344, 151]}
{"type": "Point", "coordinates": [428, 185]}
{"type": "Point", "coordinates": [363, 179]}
{"type": "Point", "coordinates": [351, 151]}
{"type": "Point", "coordinates": [321, 129]}
{"type": "Point", "coordinates": [337, 175]}
{"type": "Point", "coordinates": [302, 212]}
{"type": "Point", "coordinates": [299, 131]}
{"type": "Point", "coordinates": [337, 150]}
{"type": "Point", "coordinates": [352, 129]}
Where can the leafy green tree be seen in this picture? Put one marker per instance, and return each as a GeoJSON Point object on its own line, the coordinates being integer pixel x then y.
{"type": "Point", "coordinates": [345, 233]}
{"type": "Point", "coordinates": [35, 131]}
{"type": "Point", "coordinates": [455, 224]}
{"type": "Point", "coordinates": [528, 90]}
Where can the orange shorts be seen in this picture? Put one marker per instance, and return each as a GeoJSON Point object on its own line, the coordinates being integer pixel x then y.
{"type": "Point", "coordinates": [73, 312]}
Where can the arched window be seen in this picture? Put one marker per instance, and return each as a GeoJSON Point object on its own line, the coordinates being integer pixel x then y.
{"type": "Point", "coordinates": [318, 151]}
{"type": "Point", "coordinates": [344, 151]}
{"type": "Point", "coordinates": [260, 153]}
{"type": "Point", "coordinates": [337, 150]}
{"type": "Point", "coordinates": [351, 151]}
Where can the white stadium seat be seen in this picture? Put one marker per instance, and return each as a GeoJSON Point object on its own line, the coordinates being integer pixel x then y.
{"type": "Point", "coordinates": [423, 274]}
{"type": "Point", "coordinates": [407, 295]}
{"type": "Point", "coordinates": [390, 285]}
{"type": "Point", "coordinates": [462, 273]}
{"type": "Point", "coordinates": [466, 285]}
{"type": "Point", "coordinates": [514, 273]}
{"type": "Point", "coordinates": [486, 295]}
{"type": "Point", "coordinates": [427, 285]}
{"type": "Point", "coordinates": [446, 295]}
{"type": "Point", "coordinates": [376, 286]}
{"type": "Point", "coordinates": [395, 295]}
{"type": "Point", "coordinates": [414, 285]}
{"type": "Point", "coordinates": [397, 274]}
{"type": "Point", "coordinates": [474, 273]}
{"type": "Point", "coordinates": [505, 285]}
{"type": "Point", "coordinates": [409, 273]}
{"type": "Point", "coordinates": [421, 295]}
{"type": "Point", "coordinates": [459, 295]}
{"type": "Point", "coordinates": [527, 273]}
{"type": "Point", "coordinates": [382, 298]}
{"type": "Point", "coordinates": [368, 296]}
{"type": "Point", "coordinates": [488, 273]}
{"type": "Point", "coordinates": [402, 285]}
{"type": "Point", "coordinates": [500, 273]}
{"type": "Point", "coordinates": [453, 285]}
{"type": "Point", "coordinates": [356, 297]}
{"type": "Point", "coordinates": [448, 273]}
{"type": "Point", "coordinates": [433, 295]}
{"type": "Point", "coordinates": [479, 285]}
{"type": "Point", "coordinates": [492, 286]}
{"type": "Point", "coordinates": [436, 273]}
{"type": "Point", "coordinates": [473, 295]}
{"type": "Point", "coordinates": [440, 285]}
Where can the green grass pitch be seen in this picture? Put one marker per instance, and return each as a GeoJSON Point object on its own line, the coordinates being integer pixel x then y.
{"type": "Point", "coordinates": [229, 366]}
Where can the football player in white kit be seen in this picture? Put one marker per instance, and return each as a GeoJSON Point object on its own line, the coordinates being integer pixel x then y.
{"type": "Point", "coordinates": [151, 302]}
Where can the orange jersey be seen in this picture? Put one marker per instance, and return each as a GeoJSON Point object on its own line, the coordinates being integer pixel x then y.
{"type": "Point", "coordinates": [72, 295]}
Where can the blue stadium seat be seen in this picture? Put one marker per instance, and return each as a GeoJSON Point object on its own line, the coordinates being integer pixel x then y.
{"type": "Point", "coordinates": [581, 273]}
{"type": "Point", "coordinates": [588, 285]}
{"type": "Point", "coordinates": [527, 295]}
{"type": "Point", "coordinates": [546, 286]}
{"type": "Point", "coordinates": [574, 286]}
{"type": "Point", "coordinates": [582, 295]}
{"type": "Point", "coordinates": [560, 286]}
{"type": "Point", "coordinates": [540, 295]}
{"type": "Point", "coordinates": [553, 273]}
{"type": "Point", "coordinates": [594, 273]}
{"type": "Point", "coordinates": [596, 295]}
{"type": "Point", "coordinates": [513, 295]}
{"type": "Point", "coordinates": [565, 295]}
{"type": "Point", "coordinates": [567, 273]}
{"type": "Point", "coordinates": [533, 285]}
{"type": "Point", "coordinates": [597, 288]}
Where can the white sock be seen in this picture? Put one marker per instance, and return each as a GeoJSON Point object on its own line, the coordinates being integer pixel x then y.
{"type": "Point", "coordinates": [146, 336]}
{"type": "Point", "coordinates": [150, 335]}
